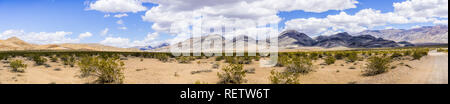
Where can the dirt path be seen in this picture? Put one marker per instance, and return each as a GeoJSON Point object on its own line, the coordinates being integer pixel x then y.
{"type": "Point", "coordinates": [439, 73]}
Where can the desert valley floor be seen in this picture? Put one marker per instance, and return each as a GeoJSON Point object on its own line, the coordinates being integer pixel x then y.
{"type": "Point", "coordinates": [431, 69]}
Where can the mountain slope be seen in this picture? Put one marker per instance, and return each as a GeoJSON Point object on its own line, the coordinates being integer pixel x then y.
{"type": "Point", "coordinates": [427, 34]}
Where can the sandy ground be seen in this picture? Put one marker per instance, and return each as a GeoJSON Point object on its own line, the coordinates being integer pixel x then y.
{"type": "Point", "coordinates": [432, 69]}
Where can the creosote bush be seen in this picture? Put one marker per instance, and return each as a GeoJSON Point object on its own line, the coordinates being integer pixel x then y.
{"type": "Point", "coordinates": [377, 65]}
{"type": "Point", "coordinates": [18, 66]}
{"type": "Point", "coordinates": [39, 60]}
{"type": "Point", "coordinates": [68, 60]}
{"type": "Point", "coordinates": [107, 70]}
{"type": "Point", "coordinates": [284, 77]}
{"type": "Point", "coordinates": [418, 54]}
{"type": "Point", "coordinates": [352, 57]}
{"type": "Point", "coordinates": [300, 65]}
{"type": "Point", "coordinates": [330, 60]}
{"type": "Point", "coordinates": [232, 74]}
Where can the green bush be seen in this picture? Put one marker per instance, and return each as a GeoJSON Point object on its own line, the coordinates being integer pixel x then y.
{"type": "Point", "coordinates": [39, 60]}
{"type": "Point", "coordinates": [107, 70]}
{"type": "Point", "coordinates": [18, 66]}
{"type": "Point", "coordinates": [352, 57]}
{"type": "Point", "coordinates": [377, 65]}
{"type": "Point", "coordinates": [300, 65]}
{"type": "Point", "coordinates": [339, 56]}
{"type": "Point", "coordinates": [219, 58]}
{"type": "Point", "coordinates": [185, 59]}
{"type": "Point", "coordinates": [68, 60]}
{"type": "Point", "coordinates": [54, 59]}
{"type": "Point", "coordinates": [330, 60]}
{"type": "Point", "coordinates": [232, 74]}
{"type": "Point", "coordinates": [284, 60]}
{"type": "Point", "coordinates": [284, 78]}
{"type": "Point", "coordinates": [417, 55]}
{"type": "Point", "coordinates": [396, 55]}
{"type": "Point", "coordinates": [162, 57]}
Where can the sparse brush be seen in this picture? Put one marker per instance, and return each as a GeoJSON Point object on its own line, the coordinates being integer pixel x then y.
{"type": "Point", "coordinates": [162, 57]}
{"type": "Point", "coordinates": [219, 58]}
{"type": "Point", "coordinates": [39, 60]}
{"type": "Point", "coordinates": [54, 59]}
{"type": "Point", "coordinates": [284, 78]}
{"type": "Point", "coordinates": [330, 60]}
{"type": "Point", "coordinates": [232, 74]}
{"type": "Point", "coordinates": [418, 54]}
{"type": "Point", "coordinates": [339, 56]}
{"type": "Point", "coordinates": [300, 65]}
{"type": "Point", "coordinates": [107, 70]}
{"type": "Point", "coordinates": [352, 57]}
{"type": "Point", "coordinates": [396, 55]}
{"type": "Point", "coordinates": [184, 59]}
{"type": "Point", "coordinates": [18, 66]}
{"type": "Point", "coordinates": [68, 60]}
{"type": "Point", "coordinates": [377, 65]}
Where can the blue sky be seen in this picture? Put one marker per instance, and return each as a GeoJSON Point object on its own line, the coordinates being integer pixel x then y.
{"type": "Point", "coordinates": [73, 16]}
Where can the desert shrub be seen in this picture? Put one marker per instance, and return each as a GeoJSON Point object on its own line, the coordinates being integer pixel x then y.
{"type": "Point", "coordinates": [339, 56]}
{"type": "Point", "coordinates": [107, 70]}
{"type": "Point", "coordinates": [417, 55]}
{"type": "Point", "coordinates": [283, 61]}
{"type": "Point", "coordinates": [377, 65]}
{"type": "Point", "coordinates": [219, 58]}
{"type": "Point", "coordinates": [442, 50]}
{"type": "Point", "coordinates": [284, 78]}
{"type": "Point", "coordinates": [244, 60]}
{"type": "Point", "coordinates": [330, 60]}
{"type": "Point", "coordinates": [185, 59]}
{"type": "Point", "coordinates": [39, 60]}
{"type": "Point", "coordinates": [300, 65]}
{"type": "Point", "coordinates": [18, 66]}
{"type": "Point", "coordinates": [54, 59]}
{"type": "Point", "coordinates": [407, 53]}
{"type": "Point", "coordinates": [396, 55]}
{"type": "Point", "coordinates": [232, 74]}
{"type": "Point", "coordinates": [162, 57]}
{"type": "Point", "coordinates": [314, 56]}
{"type": "Point", "coordinates": [3, 57]}
{"type": "Point", "coordinates": [352, 57]}
{"type": "Point", "coordinates": [68, 60]}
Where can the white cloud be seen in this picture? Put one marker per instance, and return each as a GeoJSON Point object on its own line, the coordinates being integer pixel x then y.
{"type": "Point", "coordinates": [122, 28]}
{"type": "Point", "coordinates": [120, 22]}
{"type": "Point", "coordinates": [121, 15]}
{"type": "Point", "coordinates": [116, 42]}
{"type": "Point", "coordinates": [416, 26]}
{"type": "Point", "coordinates": [106, 15]}
{"type": "Point", "coordinates": [148, 41]}
{"type": "Point", "coordinates": [40, 37]}
{"type": "Point", "coordinates": [104, 31]}
{"type": "Point", "coordinates": [262, 11]}
{"type": "Point", "coordinates": [85, 35]}
{"type": "Point", "coordinates": [115, 6]}
{"type": "Point", "coordinates": [422, 8]}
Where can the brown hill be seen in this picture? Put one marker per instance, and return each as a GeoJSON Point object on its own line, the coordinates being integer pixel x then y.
{"type": "Point", "coordinates": [15, 43]}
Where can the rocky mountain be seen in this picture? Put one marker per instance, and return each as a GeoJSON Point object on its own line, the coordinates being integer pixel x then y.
{"type": "Point", "coordinates": [144, 48]}
{"type": "Point", "coordinates": [293, 39]}
{"type": "Point", "coordinates": [427, 34]}
{"type": "Point", "coordinates": [362, 41]}
{"type": "Point", "coordinates": [15, 43]}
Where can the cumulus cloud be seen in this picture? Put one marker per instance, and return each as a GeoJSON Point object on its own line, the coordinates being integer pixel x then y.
{"type": "Point", "coordinates": [121, 15]}
{"type": "Point", "coordinates": [40, 37]}
{"type": "Point", "coordinates": [261, 12]}
{"type": "Point", "coordinates": [85, 35]}
{"type": "Point", "coordinates": [410, 11]}
{"type": "Point", "coordinates": [116, 42]}
{"type": "Point", "coordinates": [149, 40]}
{"type": "Point", "coordinates": [117, 6]}
{"type": "Point", "coordinates": [104, 31]}
{"type": "Point", "coordinates": [120, 22]}
{"type": "Point", "coordinates": [422, 8]}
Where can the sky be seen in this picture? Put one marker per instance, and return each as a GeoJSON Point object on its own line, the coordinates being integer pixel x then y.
{"type": "Point", "coordinates": [131, 23]}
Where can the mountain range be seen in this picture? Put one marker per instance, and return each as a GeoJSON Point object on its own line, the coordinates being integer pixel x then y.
{"type": "Point", "coordinates": [426, 34]}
